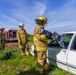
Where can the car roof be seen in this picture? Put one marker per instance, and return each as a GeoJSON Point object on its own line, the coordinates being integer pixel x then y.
{"type": "Point", "coordinates": [69, 32]}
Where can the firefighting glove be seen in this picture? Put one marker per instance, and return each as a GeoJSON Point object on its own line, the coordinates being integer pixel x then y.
{"type": "Point", "coordinates": [49, 35]}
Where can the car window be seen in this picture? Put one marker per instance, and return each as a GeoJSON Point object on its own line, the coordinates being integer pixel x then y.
{"type": "Point", "coordinates": [53, 44]}
{"type": "Point", "coordinates": [66, 38]}
{"type": "Point", "coordinates": [74, 44]}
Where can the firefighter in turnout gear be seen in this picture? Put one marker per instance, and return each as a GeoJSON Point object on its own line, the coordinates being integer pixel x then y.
{"type": "Point", "coordinates": [2, 38]}
{"type": "Point", "coordinates": [40, 43]}
{"type": "Point", "coordinates": [22, 39]}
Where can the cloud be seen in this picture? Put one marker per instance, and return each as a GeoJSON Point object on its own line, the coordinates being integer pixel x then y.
{"type": "Point", "coordinates": [66, 12]}
{"type": "Point", "coordinates": [7, 21]}
{"type": "Point", "coordinates": [39, 8]}
{"type": "Point", "coordinates": [62, 28]}
{"type": "Point", "coordinates": [63, 17]}
{"type": "Point", "coordinates": [25, 12]}
{"type": "Point", "coordinates": [21, 11]}
{"type": "Point", "coordinates": [58, 26]}
{"type": "Point", "coordinates": [9, 18]}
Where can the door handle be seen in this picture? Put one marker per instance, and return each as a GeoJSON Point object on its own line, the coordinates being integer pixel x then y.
{"type": "Point", "coordinates": [63, 51]}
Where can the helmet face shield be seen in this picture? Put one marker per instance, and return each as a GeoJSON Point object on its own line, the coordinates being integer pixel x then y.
{"type": "Point", "coordinates": [45, 20]}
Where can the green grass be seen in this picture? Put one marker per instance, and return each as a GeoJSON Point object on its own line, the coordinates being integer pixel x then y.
{"type": "Point", "coordinates": [30, 39]}
{"type": "Point", "coordinates": [23, 65]}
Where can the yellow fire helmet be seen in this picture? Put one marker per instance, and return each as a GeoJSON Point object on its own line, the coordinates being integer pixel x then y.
{"type": "Point", "coordinates": [41, 19]}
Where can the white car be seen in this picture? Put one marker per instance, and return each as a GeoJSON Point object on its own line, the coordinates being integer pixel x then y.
{"type": "Point", "coordinates": [62, 57]}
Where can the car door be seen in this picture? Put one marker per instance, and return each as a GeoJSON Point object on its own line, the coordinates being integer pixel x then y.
{"type": "Point", "coordinates": [62, 56]}
{"type": "Point", "coordinates": [71, 61]}
{"type": "Point", "coordinates": [57, 54]}
{"type": "Point", "coordinates": [53, 50]}
{"type": "Point", "coordinates": [62, 59]}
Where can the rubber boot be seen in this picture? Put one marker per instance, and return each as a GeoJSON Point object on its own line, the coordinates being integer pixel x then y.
{"type": "Point", "coordinates": [39, 70]}
{"type": "Point", "coordinates": [22, 52]}
{"type": "Point", "coordinates": [46, 66]}
{"type": "Point", "coordinates": [27, 51]}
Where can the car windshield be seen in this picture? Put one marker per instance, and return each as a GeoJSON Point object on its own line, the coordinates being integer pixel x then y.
{"type": "Point", "coordinates": [66, 38]}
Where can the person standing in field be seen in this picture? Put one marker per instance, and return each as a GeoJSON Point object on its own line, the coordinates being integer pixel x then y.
{"type": "Point", "coordinates": [22, 40]}
{"type": "Point", "coordinates": [2, 38]}
{"type": "Point", "coordinates": [40, 43]}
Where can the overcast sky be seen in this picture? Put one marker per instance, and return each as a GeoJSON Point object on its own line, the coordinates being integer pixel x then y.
{"type": "Point", "coordinates": [61, 14]}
